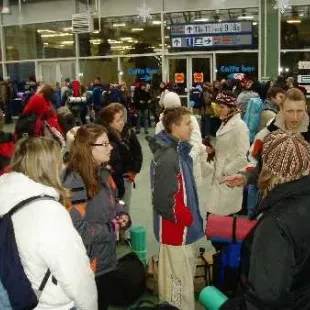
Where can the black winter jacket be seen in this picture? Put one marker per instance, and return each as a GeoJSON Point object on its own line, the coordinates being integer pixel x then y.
{"type": "Point", "coordinates": [276, 256]}
{"type": "Point", "coordinates": [126, 156]}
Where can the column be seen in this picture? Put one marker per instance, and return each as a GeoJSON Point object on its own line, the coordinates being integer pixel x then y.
{"type": "Point", "coordinates": [270, 40]}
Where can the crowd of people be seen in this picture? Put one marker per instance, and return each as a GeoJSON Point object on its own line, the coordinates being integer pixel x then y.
{"type": "Point", "coordinates": [249, 152]}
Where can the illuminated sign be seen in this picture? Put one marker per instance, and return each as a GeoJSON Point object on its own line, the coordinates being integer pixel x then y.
{"type": "Point", "coordinates": [221, 34]}
{"type": "Point", "coordinates": [236, 69]}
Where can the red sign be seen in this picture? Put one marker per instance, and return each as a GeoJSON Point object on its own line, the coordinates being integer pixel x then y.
{"type": "Point", "coordinates": [179, 78]}
{"type": "Point", "coordinates": [198, 77]}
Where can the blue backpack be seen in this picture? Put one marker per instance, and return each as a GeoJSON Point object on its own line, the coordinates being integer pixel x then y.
{"type": "Point", "coordinates": [15, 288]}
{"type": "Point", "coordinates": [252, 116]}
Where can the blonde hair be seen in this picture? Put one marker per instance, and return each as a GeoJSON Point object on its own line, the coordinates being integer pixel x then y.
{"type": "Point", "coordinates": [39, 158]}
{"type": "Point", "coordinates": [293, 94]}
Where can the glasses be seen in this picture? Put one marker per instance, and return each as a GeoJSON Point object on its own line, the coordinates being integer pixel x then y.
{"type": "Point", "coordinates": [104, 143]}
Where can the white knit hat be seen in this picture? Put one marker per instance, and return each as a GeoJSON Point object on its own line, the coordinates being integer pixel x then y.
{"type": "Point", "coordinates": [171, 100]}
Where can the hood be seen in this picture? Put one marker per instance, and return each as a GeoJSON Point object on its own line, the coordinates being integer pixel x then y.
{"type": "Point", "coordinates": [270, 106]}
{"type": "Point", "coordinates": [293, 190]}
{"type": "Point", "coordinates": [164, 141]}
{"type": "Point", "coordinates": [279, 122]}
{"type": "Point", "coordinates": [16, 187]}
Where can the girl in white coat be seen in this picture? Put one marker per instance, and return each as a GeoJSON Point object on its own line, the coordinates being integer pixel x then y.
{"type": "Point", "coordinates": [230, 156]}
{"type": "Point", "coordinates": [45, 236]}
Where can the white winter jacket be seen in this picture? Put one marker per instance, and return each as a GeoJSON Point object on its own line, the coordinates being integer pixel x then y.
{"type": "Point", "coordinates": [45, 239]}
{"type": "Point", "coordinates": [198, 152]}
{"type": "Point", "coordinates": [231, 147]}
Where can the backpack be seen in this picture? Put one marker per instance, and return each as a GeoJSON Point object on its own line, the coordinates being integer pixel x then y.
{"type": "Point", "coordinates": [252, 116]}
{"type": "Point", "coordinates": [149, 305]}
{"type": "Point", "coordinates": [130, 280]}
{"type": "Point", "coordinates": [196, 96]}
{"type": "Point", "coordinates": [15, 287]}
{"type": "Point", "coordinates": [26, 125]}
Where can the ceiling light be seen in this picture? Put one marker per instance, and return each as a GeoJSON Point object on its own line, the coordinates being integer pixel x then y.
{"type": "Point", "coordinates": [96, 31]}
{"type": "Point", "coordinates": [301, 14]}
{"type": "Point", "coordinates": [126, 39]}
{"type": "Point", "coordinates": [45, 30]}
{"type": "Point", "coordinates": [95, 41]}
{"type": "Point", "coordinates": [255, 23]}
{"type": "Point", "coordinates": [137, 29]}
{"type": "Point", "coordinates": [293, 21]}
{"type": "Point", "coordinates": [168, 27]}
{"type": "Point", "coordinates": [119, 25]}
{"type": "Point", "coordinates": [113, 41]}
{"type": "Point", "coordinates": [201, 20]}
{"type": "Point", "coordinates": [61, 34]}
{"type": "Point", "coordinates": [246, 17]}
{"type": "Point", "coordinates": [156, 22]}
{"type": "Point", "coordinates": [67, 42]}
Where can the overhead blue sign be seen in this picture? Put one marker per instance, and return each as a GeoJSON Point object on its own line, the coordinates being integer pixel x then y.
{"type": "Point", "coordinates": [236, 69]}
{"type": "Point", "coordinates": [239, 33]}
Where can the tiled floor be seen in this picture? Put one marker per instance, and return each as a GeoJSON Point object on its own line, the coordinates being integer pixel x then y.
{"type": "Point", "coordinates": [141, 205]}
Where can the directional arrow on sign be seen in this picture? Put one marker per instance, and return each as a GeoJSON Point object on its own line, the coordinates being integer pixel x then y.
{"type": "Point", "coordinates": [189, 29]}
{"type": "Point", "coordinates": [176, 42]}
{"type": "Point", "coordinates": [207, 41]}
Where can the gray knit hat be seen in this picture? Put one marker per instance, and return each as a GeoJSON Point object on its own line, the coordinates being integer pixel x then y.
{"type": "Point", "coordinates": [286, 155]}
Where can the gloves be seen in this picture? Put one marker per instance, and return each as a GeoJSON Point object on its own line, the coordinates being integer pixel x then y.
{"type": "Point", "coordinates": [130, 176]}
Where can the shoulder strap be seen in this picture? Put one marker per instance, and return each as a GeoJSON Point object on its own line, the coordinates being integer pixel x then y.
{"type": "Point", "coordinates": [18, 207]}
{"type": "Point", "coordinates": [28, 201]}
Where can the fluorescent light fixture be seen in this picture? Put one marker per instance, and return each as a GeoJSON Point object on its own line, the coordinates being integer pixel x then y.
{"type": "Point", "coordinates": [61, 34]}
{"type": "Point", "coordinates": [246, 17]}
{"type": "Point", "coordinates": [137, 29]}
{"type": "Point", "coordinates": [156, 22]}
{"type": "Point", "coordinates": [201, 20]}
{"type": "Point", "coordinates": [96, 31]}
{"type": "Point", "coordinates": [126, 39]}
{"type": "Point", "coordinates": [114, 41]}
{"type": "Point", "coordinates": [255, 23]}
{"type": "Point", "coordinates": [45, 43]}
{"type": "Point", "coordinates": [61, 45]}
{"type": "Point", "coordinates": [46, 30]}
{"type": "Point", "coordinates": [95, 41]}
{"type": "Point", "coordinates": [119, 25]}
{"type": "Point", "coordinates": [67, 42]}
{"type": "Point", "coordinates": [293, 21]}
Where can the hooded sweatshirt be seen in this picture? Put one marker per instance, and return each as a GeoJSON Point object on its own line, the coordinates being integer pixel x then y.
{"type": "Point", "coordinates": [45, 239]}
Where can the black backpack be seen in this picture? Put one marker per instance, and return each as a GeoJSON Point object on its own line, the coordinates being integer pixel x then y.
{"type": "Point", "coordinates": [130, 281]}
{"type": "Point", "coordinates": [149, 305]}
{"type": "Point", "coordinates": [26, 125]}
{"type": "Point", "coordinates": [13, 279]}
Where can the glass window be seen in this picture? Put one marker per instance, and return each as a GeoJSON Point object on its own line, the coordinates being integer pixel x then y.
{"type": "Point", "coordinates": [48, 40]}
{"type": "Point", "coordinates": [20, 72]}
{"type": "Point", "coordinates": [289, 63]}
{"type": "Point", "coordinates": [105, 68]}
{"type": "Point", "coordinates": [228, 65]}
{"type": "Point", "coordinates": [250, 15]}
{"type": "Point", "coordinates": [147, 69]}
{"type": "Point", "coordinates": [122, 36]}
{"type": "Point", "coordinates": [295, 28]}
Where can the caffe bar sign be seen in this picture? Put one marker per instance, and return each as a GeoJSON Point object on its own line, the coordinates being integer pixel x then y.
{"type": "Point", "coordinates": [238, 33]}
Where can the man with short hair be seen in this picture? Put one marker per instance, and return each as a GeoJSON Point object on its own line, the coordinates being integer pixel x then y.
{"type": "Point", "coordinates": [177, 220]}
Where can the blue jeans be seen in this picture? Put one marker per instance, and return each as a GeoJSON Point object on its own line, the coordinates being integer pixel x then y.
{"type": "Point", "coordinates": [143, 118]}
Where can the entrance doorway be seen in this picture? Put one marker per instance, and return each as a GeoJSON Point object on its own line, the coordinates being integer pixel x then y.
{"type": "Point", "coordinates": [188, 71]}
